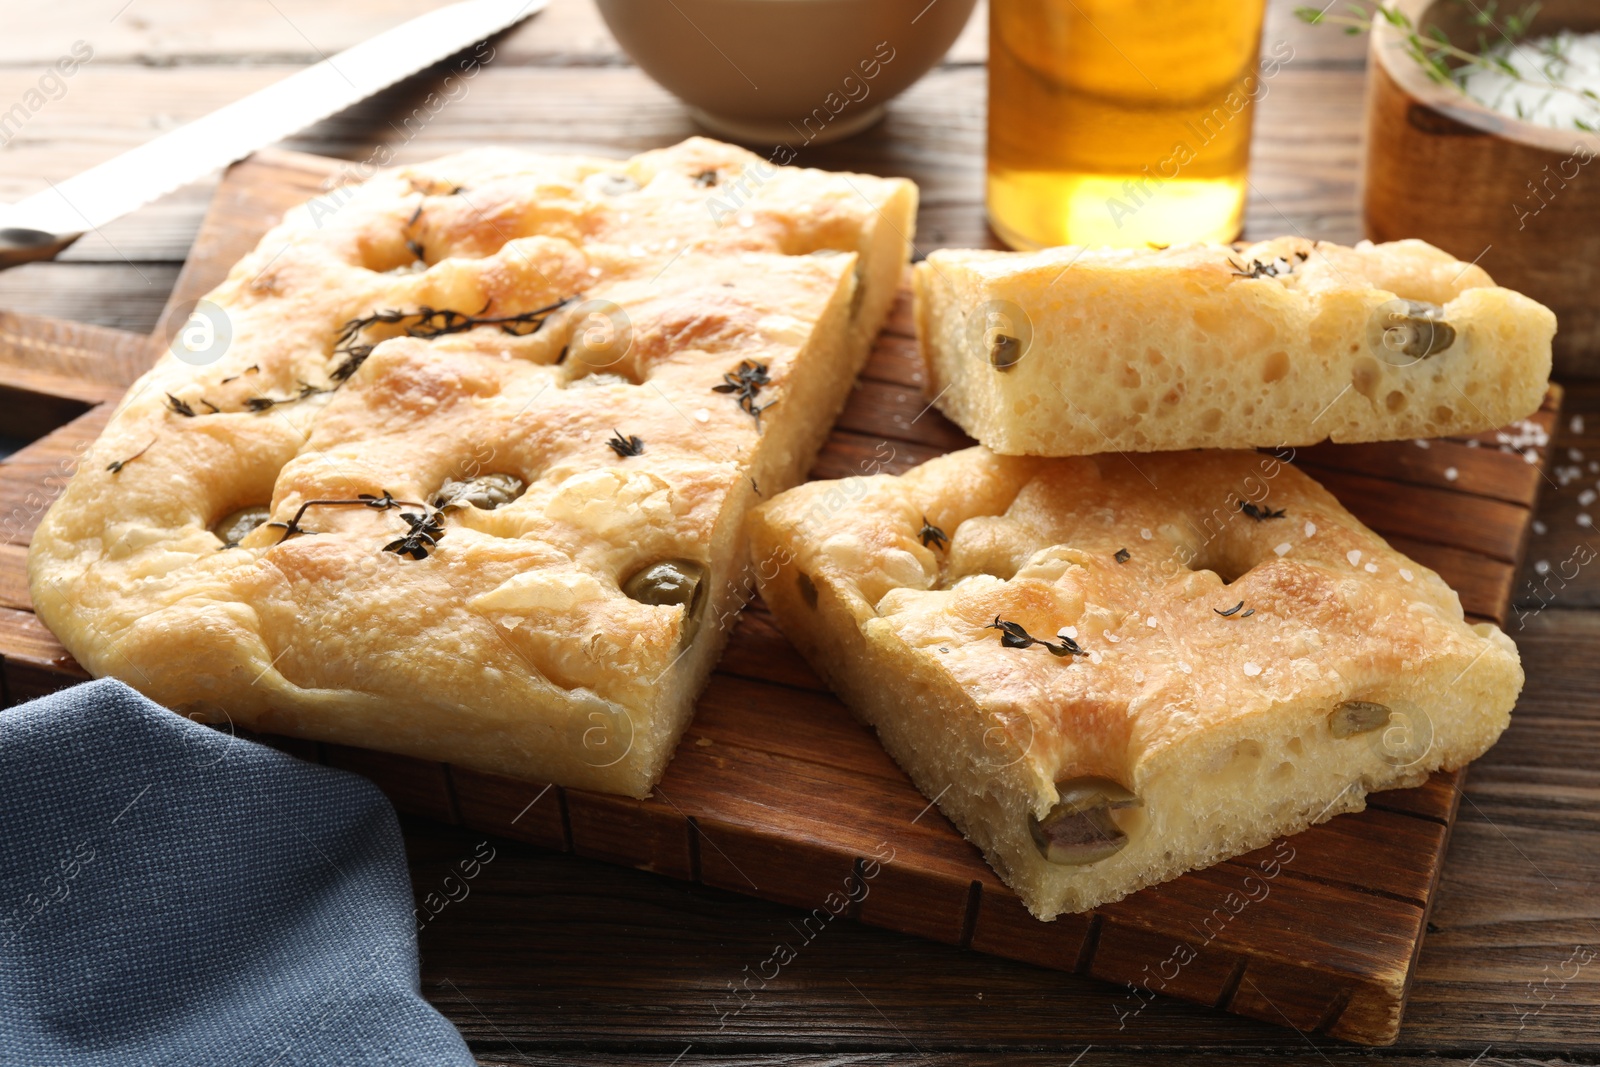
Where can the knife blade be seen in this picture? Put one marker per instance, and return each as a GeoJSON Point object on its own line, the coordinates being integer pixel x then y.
{"type": "Point", "coordinates": [47, 222]}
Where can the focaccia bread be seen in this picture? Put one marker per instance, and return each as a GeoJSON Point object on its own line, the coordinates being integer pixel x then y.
{"type": "Point", "coordinates": [469, 483]}
{"type": "Point", "coordinates": [1073, 351]}
{"type": "Point", "coordinates": [1134, 674]}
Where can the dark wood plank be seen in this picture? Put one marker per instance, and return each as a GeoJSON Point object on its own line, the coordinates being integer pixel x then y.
{"type": "Point", "coordinates": [1560, 570]}
{"type": "Point", "coordinates": [32, 477]}
{"type": "Point", "coordinates": [14, 577]}
{"type": "Point", "coordinates": [418, 786]}
{"type": "Point", "coordinates": [32, 661]}
{"type": "Point", "coordinates": [1444, 517]}
{"type": "Point", "coordinates": [757, 650]}
{"type": "Point", "coordinates": [1442, 465]}
{"type": "Point", "coordinates": [526, 811]}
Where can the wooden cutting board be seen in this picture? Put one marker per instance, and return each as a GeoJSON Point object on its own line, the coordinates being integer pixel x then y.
{"type": "Point", "coordinates": [777, 792]}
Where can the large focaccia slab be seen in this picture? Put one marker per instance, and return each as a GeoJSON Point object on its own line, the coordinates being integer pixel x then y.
{"type": "Point", "coordinates": [1073, 351]}
{"type": "Point", "coordinates": [1133, 669]}
{"type": "Point", "coordinates": [541, 394]}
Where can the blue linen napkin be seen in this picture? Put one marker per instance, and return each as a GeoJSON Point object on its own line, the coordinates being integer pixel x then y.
{"type": "Point", "coordinates": [170, 894]}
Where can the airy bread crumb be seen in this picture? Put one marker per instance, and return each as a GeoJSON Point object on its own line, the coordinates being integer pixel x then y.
{"type": "Point", "coordinates": [1073, 351]}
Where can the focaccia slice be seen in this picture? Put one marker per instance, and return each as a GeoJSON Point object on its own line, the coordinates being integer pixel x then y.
{"type": "Point", "coordinates": [1135, 671]}
{"type": "Point", "coordinates": [470, 481]}
{"type": "Point", "coordinates": [1072, 351]}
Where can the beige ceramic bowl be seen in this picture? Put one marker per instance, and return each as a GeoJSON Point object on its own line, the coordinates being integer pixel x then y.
{"type": "Point", "coordinates": [786, 71]}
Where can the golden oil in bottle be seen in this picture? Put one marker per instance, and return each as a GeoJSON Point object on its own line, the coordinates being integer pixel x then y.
{"type": "Point", "coordinates": [1122, 122]}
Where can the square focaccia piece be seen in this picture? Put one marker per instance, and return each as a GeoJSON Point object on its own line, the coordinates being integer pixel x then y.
{"type": "Point", "coordinates": [468, 481]}
{"type": "Point", "coordinates": [1108, 676]}
{"type": "Point", "coordinates": [1071, 351]}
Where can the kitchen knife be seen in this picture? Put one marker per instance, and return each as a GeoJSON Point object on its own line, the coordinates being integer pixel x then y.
{"type": "Point", "coordinates": [47, 222]}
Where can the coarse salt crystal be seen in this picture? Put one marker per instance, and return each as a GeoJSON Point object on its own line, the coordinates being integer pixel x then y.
{"type": "Point", "coordinates": [702, 415]}
{"type": "Point", "coordinates": [1539, 527]}
{"type": "Point", "coordinates": [1405, 573]}
{"type": "Point", "coordinates": [1420, 443]}
{"type": "Point", "coordinates": [1151, 622]}
{"type": "Point", "coordinates": [1574, 454]}
{"type": "Point", "coordinates": [1451, 474]}
{"type": "Point", "coordinates": [1371, 568]}
{"type": "Point", "coordinates": [1095, 657]}
{"type": "Point", "coordinates": [1515, 80]}
{"type": "Point", "coordinates": [1542, 567]}
{"type": "Point", "coordinates": [1283, 549]}
{"type": "Point", "coordinates": [1585, 520]}
{"type": "Point", "coordinates": [1586, 497]}
{"type": "Point", "coordinates": [1311, 529]}
{"type": "Point", "coordinates": [1251, 670]}
{"type": "Point", "coordinates": [1577, 424]}
{"type": "Point", "coordinates": [1354, 556]}
{"type": "Point", "coordinates": [1146, 534]}
{"type": "Point", "coordinates": [1068, 631]}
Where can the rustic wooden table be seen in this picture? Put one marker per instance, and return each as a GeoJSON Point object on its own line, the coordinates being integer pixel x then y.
{"type": "Point", "coordinates": [552, 958]}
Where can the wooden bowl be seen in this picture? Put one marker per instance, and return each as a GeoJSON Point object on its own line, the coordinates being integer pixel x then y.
{"type": "Point", "coordinates": [1522, 200]}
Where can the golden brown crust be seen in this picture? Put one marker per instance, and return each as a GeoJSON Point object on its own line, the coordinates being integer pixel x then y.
{"type": "Point", "coordinates": [509, 644]}
{"type": "Point", "coordinates": [1213, 651]}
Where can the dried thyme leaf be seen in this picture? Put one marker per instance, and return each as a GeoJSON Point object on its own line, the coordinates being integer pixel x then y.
{"type": "Point", "coordinates": [1259, 514]}
{"type": "Point", "coordinates": [632, 445]}
{"type": "Point", "coordinates": [1012, 635]}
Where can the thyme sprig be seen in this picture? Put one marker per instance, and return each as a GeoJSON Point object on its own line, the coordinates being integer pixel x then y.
{"type": "Point", "coordinates": [363, 500]}
{"type": "Point", "coordinates": [116, 465]}
{"type": "Point", "coordinates": [931, 536]}
{"type": "Point", "coordinates": [428, 323]}
{"type": "Point", "coordinates": [1012, 635]}
{"type": "Point", "coordinates": [262, 403]}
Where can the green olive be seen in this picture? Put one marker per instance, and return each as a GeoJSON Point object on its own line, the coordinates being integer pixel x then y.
{"type": "Point", "coordinates": [1357, 717]}
{"type": "Point", "coordinates": [1004, 351]}
{"type": "Point", "coordinates": [486, 491]}
{"type": "Point", "coordinates": [1080, 829]}
{"type": "Point", "coordinates": [233, 527]}
{"type": "Point", "coordinates": [671, 581]}
{"type": "Point", "coordinates": [1419, 330]}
